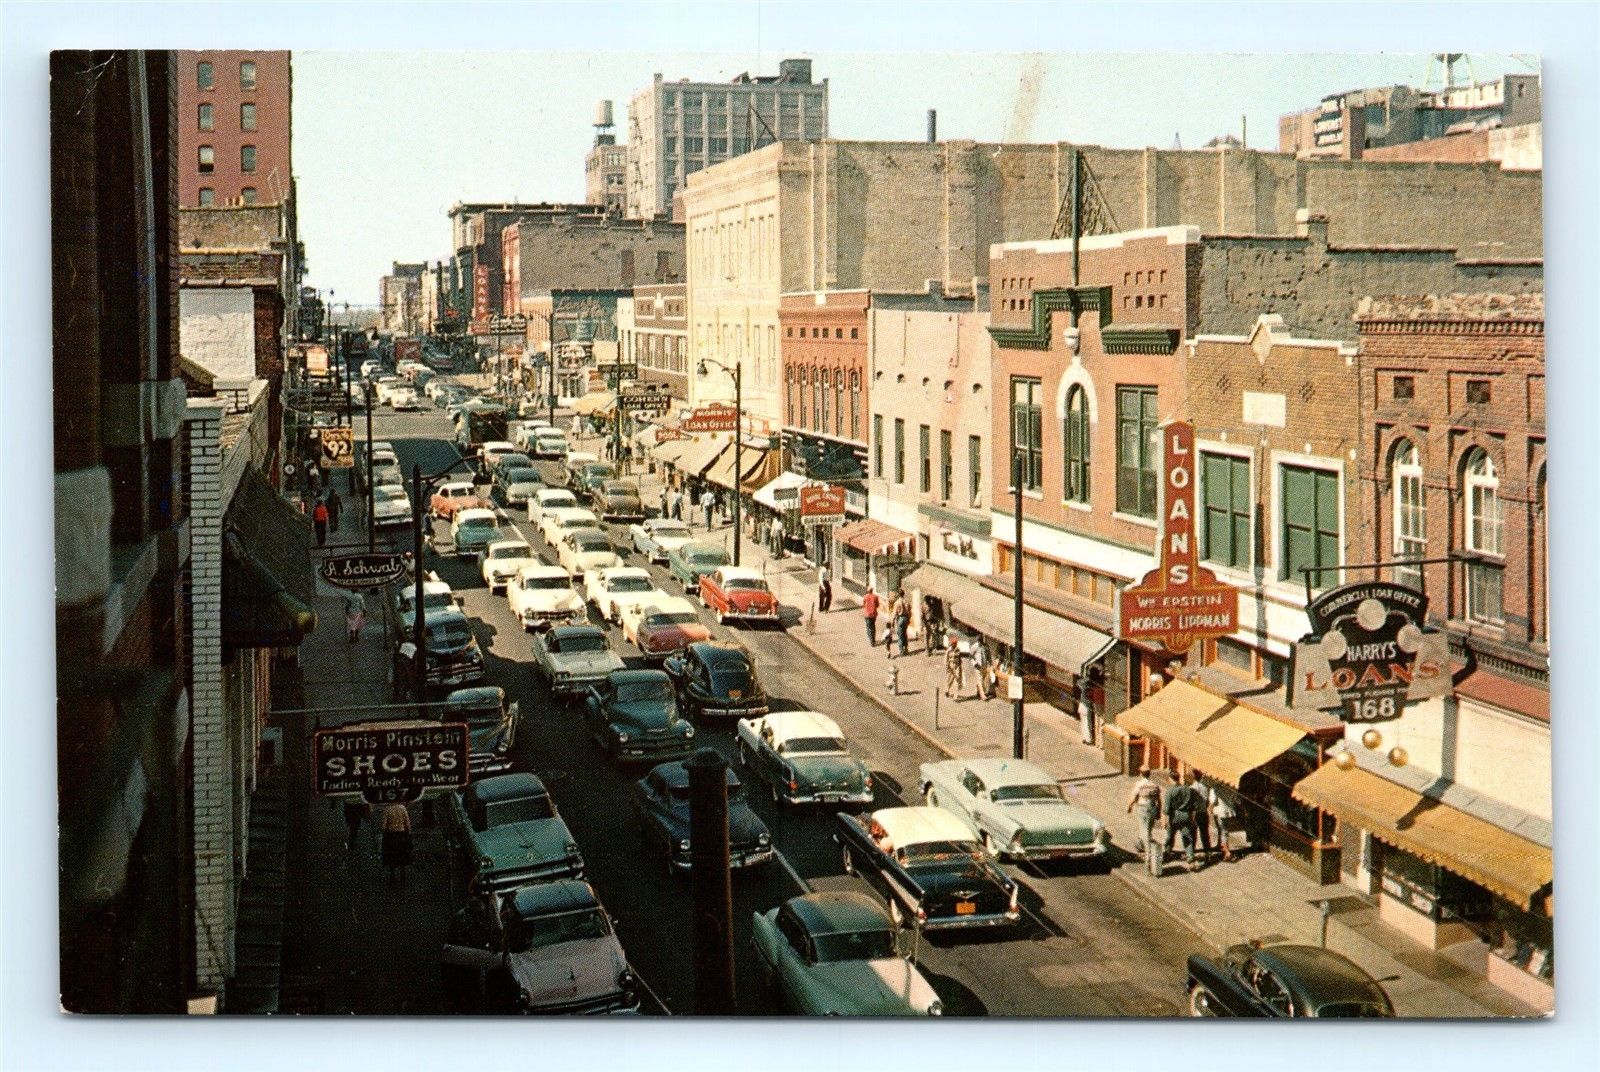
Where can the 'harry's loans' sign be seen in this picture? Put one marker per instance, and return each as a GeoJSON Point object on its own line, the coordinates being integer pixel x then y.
{"type": "Point", "coordinates": [1180, 601]}
{"type": "Point", "coordinates": [1368, 653]}
{"type": "Point", "coordinates": [389, 762]}
{"type": "Point", "coordinates": [372, 570]}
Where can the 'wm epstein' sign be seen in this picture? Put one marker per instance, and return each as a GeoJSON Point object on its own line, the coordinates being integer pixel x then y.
{"type": "Point", "coordinates": [1180, 601]}
{"type": "Point", "coordinates": [389, 762]}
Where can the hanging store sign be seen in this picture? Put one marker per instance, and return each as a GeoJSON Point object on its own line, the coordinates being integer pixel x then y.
{"type": "Point", "coordinates": [821, 505]}
{"type": "Point", "coordinates": [371, 570]}
{"type": "Point", "coordinates": [1369, 653]}
{"type": "Point", "coordinates": [716, 417]}
{"type": "Point", "coordinates": [667, 435]}
{"type": "Point", "coordinates": [1180, 601]}
{"type": "Point", "coordinates": [389, 762]}
{"type": "Point", "coordinates": [651, 398]}
{"type": "Point", "coordinates": [338, 447]}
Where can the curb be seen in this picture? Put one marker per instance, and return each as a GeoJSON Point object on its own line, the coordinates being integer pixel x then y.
{"type": "Point", "coordinates": [861, 691]}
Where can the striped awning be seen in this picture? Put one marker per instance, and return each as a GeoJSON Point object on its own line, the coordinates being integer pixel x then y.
{"type": "Point", "coordinates": [593, 403]}
{"type": "Point", "coordinates": [874, 538]}
{"type": "Point", "coordinates": [699, 455]}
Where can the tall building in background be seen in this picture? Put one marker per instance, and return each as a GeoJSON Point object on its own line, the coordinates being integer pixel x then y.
{"type": "Point", "coordinates": [234, 128]}
{"type": "Point", "coordinates": [678, 128]}
{"type": "Point", "coordinates": [400, 299]}
{"type": "Point", "coordinates": [605, 168]}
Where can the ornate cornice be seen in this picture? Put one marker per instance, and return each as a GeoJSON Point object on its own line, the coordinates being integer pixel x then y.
{"type": "Point", "coordinates": [1074, 300]}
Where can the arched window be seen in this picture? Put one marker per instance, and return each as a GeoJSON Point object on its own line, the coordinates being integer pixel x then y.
{"type": "Point", "coordinates": [1075, 447]}
{"type": "Point", "coordinates": [827, 388]}
{"type": "Point", "coordinates": [855, 405]}
{"type": "Point", "coordinates": [838, 402]}
{"type": "Point", "coordinates": [1410, 511]}
{"type": "Point", "coordinates": [788, 396]}
{"type": "Point", "coordinates": [1485, 593]}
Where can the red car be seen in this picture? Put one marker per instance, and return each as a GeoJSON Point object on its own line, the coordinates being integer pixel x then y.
{"type": "Point", "coordinates": [456, 495]}
{"type": "Point", "coordinates": [664, 627]}
{"type": "Point", "coordinates": [738, 592]}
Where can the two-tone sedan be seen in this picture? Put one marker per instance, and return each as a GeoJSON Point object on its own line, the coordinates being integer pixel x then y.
{"type": "Point", "coordinates": [657, 538]}
{"type": "Point", "coordinates": [584, 550]}
{"type": "Point", "coordinates": [1015, 808]}
{"type": "Point", "coordinates": [662, 627]}
{"type": "Point", "coordinates": [572, 658]}
{"type": "Point", "coordinates": [508, 831]}
{"type": "Point", "coordinates": [633, 717]}
{"type": "Point", "coordinates": [927, 865]}
{"type": "Point", "coordinates": [546, 499]}
{"type": "Point", "coordinates": [693, 560]}
{"type": "Point", "coordinates": [500, 561]}
{"type": "Point", "coordinates": [836, 954]}
{"type": "Point", "coordinates": [558, 521]}
{"type": "Point", "coordinates": [541, 596]}
{"type": "Point", "coordinates": [661, 800]}
{"type": "Point", "coordinates": [609, 590]}
{"type": "Point", "coordinates": [454, 496]}
{"type": "Point", "coordinates": [391, 507]}
{"type": "Point", "coordinates": [738, 592]}
{"type": "Point", "coordinates": [804, 758]}
{"type": "Point", "coordinates": [473, 530]}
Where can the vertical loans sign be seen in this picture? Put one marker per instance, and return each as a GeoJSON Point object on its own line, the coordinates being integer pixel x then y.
{"type": "Point", "coordinates": [1180, 601]}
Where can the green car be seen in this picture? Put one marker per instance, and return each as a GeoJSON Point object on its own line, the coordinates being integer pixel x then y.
{"type": "Point", "coordinates": [508, 829]}
{"type": "Point", "coordinates": [693, 560]}
{"type": "Point", "coordinates": [834, 954]}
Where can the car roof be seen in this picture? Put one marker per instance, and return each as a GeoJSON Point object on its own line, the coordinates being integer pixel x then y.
{"type": "Point", "coordinates": [499, 787]}
{"type": "Point", "coordinates": [787, 724]}
{"type": "Point", "coordinates": [478, 694]}
{"type": "Point", "coordinates": [623, 571]}
{"type": "Point", "coordinates": [918, 825]}
{"type": "Point", "coordinates": [717, 652]}
{"type": "Point", "coordinates": [565, 512]}
{"type": "Point", "coordinates": [553, 492]}
{"type": "Point", "coordinates": [500, 445]}
{"type": "Point", "coordinates": [428, 587]}
{"type": "Point", "coordinates": [459, 485]}
{"type": "Point", "coordinates": [740, 573]}
{"type": "Point", "coordinates": [509, 543]}
{"type": "Point", "coordinates": [700, 547]}
{"type": "Point", "coordinates": [441, 615]}
{"type": "Point", "coordinates": [588, 530]}
{"type": "Point", "coordinates": [998, 772]}
{"type": "Point", "coordinates": [549, 898]}
{"type": "Point", "coordinates": [838, 912]}
{"type": "Point", "coordinates": [563, 631]}
{"type": "Point", "coordinates": [670, 605]}
{"type": "Point", "coordinates": [475, 513]}
{"type": "Point", "coordinates": [676, 775]}
{"type": "Point", "coordinates": [1320, 975]}
{"type": "Point", "coordinates": [539, 569]}
{"type": "Point", "coordinates": [635, 677]}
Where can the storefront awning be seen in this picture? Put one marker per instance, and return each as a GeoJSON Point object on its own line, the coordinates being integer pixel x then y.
{"type": "Point", "coordinates": [1058, 641]}
{"type": "Point", "coordinates": [755, 462]}
{"type": "Point", "coordinates": [1210, 733]}
{"type": "Point", "coordinates": [874, 538]}
{"type": "Point", "coordinates": [788, 480]}
{"type": "Point", "coordinates": [699, 455]}
{"type": "Point", "coordinates": [268, 587]}
{"type": "Point", "coordinates": [669, 451]}
{"type": "Point", "coordinates": [593, 403]}
{"type": "Point", "coordinates": [1515, 868]}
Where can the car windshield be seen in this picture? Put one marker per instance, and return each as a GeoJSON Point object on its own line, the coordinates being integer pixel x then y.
{"type": "Point", "coordinates": [682, 617]}
{"type": "Point", "coordinates": [519, 810]}
{"type": "Point", "coordinates": [667, 531]}
{"type": "Point", "coordinates": [644, 691]}
{"type": "Point", "coordinates": [533, 584]}
{"type": "Point", "coordinates": [511, 550]}
{"type": "Point", "coordinates": [522, 475]}
{"type": "Point", "coordinates": [591, 543]}
{"type": "Point", "coordinates": [389, 494]}
{"type": "Point", "coordinates": [430, 600]}
{"type": "Point", "coordinates": [582, 643]}
{"type": "Point", "coordinates": [630, 584]}
{"type": "Point", "coordinates": [451, 634]}
{"type": "Point", "coordinates": [550, 502]}
{"type": "Point", "coordinates": [708, 558]}
{"type": "Point", "coordinates": [537, 932]}
{"type": "Point", "coordinates": [855, 945]}
{"type": "Point", "coordinates": [746, 584]}
{"type": "Point", "coordinates": [1027, 792]}
{"type": "Point", "coordinates": [803, 745]}
{"type": "Point", "coordinates": [478, 525]}
{"type": "Point", "coordinates": [930, 850]}
{"type": "Point", "coordinates": [1345, 1010]}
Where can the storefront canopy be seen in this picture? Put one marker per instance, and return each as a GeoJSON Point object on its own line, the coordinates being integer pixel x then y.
{"type": "Point", "coordinates": [1515, 868]}
{"type": "Point", "coordinates": [268, 586]}
{"type": "Point", "coordinates": [874, 538]}
{"type": "Point", "coordinates": [1057, 641]}
{"type": "Point", "coordinates": [1210, 733]}
{"type": "Point", "coordinates": [698, 456]}
{"type": "Point", "coordinates": [592, 403]}
{"type": "Point", "coordinates": [670, 450]}
{"type": "Point", "coordinates": [754, 461]}
{"type": "Point", "coordinates": [787, 480]}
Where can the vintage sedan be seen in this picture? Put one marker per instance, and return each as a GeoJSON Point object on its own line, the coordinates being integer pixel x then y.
{"type": "Point", "coordinates": [661, 800]}
{"type": "Point", "coordinates": [588, 476]}
{"type": "Point", "coordinates": [509, 833]}
{"type": "Point", "coordinates": [662, 627]}
{"type": "Point", "coordinates": [557, 521]}
{"type": "Point", "coordinates": [927, 865]}
{"type": "Point", "coordinates": [491, 726]}
{"type": "Point", "coordinates": [1284, 981]}
{"type": "Point", "coordinates": [610, 589]}
{"type": "Point", "coordinates": [436, 595]}
{"type": "Point", "coordinates": [500, 561]}
{"type": "Point", "coordinates": [1015, 808]}
{"type": "Point", "coordinates": [471, 531]}
{"type": "Point", "coordinates": [691, 561]}
{"type": "Point", "coordinates": [584, 550]}
{"type": "Point", "coordinates": [804, 758]}
{"type": "Point", "coordinates": [391, 507]}
{"type": "Point", "coordinates": [541, 596]}
{"type": "Point", "coordinates": [574, 657]}
{"type": "Point", "coordinates": [405, 397]}
{"type": "Point", "coordinates": [632, 716]}
{"type": "Point", "coordinates": [452, 656]}
{"type": "Point", "coordinates": [836, 954]}
{"type": "Point", "coordinates": [617, 500]}
{"type": "Point", "coordinates": [454, 496]}
{"type": "Point", "coordinates": [546, 499]}
{"type": "Point", "coordinates": [716, 680]}
{"type": "Point", "coordinates": [738, 592]}
{"type": "Point", "coordinates": [659, 537]}
{"type": "Point", "coordinates": [514, 486]}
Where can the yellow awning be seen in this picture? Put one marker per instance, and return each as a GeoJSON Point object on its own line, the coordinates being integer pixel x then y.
{"type": "Point", "coordinates": [1210, 733]}
{"type": "Point", "coordinates": [1498, 860]}
{"type": "Point", "coordinates": [593, 402]}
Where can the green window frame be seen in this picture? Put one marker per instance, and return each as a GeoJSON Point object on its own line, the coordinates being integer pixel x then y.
{"type": "Point", "coordinates": [1075, 447]}
{"type": "Point", "coordinates": [1311, 529]}
{"type": "Point", "coordinates": [1027, 433]}
{"type": "Point", "coordinates": [1138, 445]}
{"type": "Point", "coordinates": [1225, 511]}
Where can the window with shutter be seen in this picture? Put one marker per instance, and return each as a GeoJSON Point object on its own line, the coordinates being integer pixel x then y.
{"type": "Point", "coordinates": [1225, 528]}
{"type": "Point", "coordinates": [1310, 506]}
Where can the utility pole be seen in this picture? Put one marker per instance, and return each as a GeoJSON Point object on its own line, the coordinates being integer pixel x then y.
{"type": "Point", "coordinates": [418, 626]}
{"type": "Point", "coordinates": [1015, 686]}
{"type": "Point", "coordinates": [711, 882]}
{"type": "Point", "coordinates": [738, 457]}
{"type": "Point", "coordinates": [371, 521]}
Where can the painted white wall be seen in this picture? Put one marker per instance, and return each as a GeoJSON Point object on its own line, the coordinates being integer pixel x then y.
{"type": "Point", "coordinates": [217, 331]}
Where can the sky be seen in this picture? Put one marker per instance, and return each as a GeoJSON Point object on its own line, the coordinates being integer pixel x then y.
{"type": "Point", "coordinates": [385, 142]}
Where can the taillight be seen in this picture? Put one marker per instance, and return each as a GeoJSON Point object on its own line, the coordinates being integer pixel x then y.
{"type": "Point", "coordinates": [794, 785]}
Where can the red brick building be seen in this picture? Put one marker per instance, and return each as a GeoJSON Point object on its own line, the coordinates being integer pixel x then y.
{"type": "Point", "coordinates": [234, 143]}
{"type": "Point", "coordinates": [823, 347]}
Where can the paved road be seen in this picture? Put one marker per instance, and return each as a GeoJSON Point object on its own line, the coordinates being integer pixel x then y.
{"type": "Point", "coordinates": [1088, 946]}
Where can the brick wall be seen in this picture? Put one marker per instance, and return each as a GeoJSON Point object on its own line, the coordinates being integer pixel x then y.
{"type": "Point", "coordinates": [271, 96]}
{"type": "Point", "coordinates": [825, 334]}
{"type": "Point", "coordinates": [605, 253]}
{"type": "Point", "coordinates": [1477, 209]}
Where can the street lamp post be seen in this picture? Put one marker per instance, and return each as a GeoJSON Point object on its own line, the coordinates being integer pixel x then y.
{"type": "Point", "coordinates": [367, 395]}
{"type": "Point", "coordinates": [737, 372]}
{"type": "Point", "coordinates": [1016, 615]}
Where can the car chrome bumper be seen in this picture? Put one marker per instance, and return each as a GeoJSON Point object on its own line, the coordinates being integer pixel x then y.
{"type": "Point", "coordinates": [736, 860]}
{"type": "Point", "coordinates": [1035, 853]}
{"type": "Point", "coordinates": [753, 711]}
{"type": "Point", "coordinates": [961, 923]}
{"type": "Point", "coordinates": [664, 751]}
{"type": "Point", "coordinates": [482, 763]}
{"type": "Point", "coordinates": [623, 1001]}
{"type": "Point", "coordinates": [828, 796]}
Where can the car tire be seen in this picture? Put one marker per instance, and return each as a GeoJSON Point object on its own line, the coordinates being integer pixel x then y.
{"type": "Point", "coordinates": [1200, 1002]}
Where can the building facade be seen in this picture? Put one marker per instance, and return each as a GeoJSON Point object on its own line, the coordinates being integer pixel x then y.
{"type": "Point", "coordinates": [400, 300]}
{"type": "Point", "coordinates": [678, 128]}
{"type": "Point", "coordinates": [1345, 126]}
{"type": "Point", "coordinates": [653, 333]}
{"type": "Point", "coordinates": [234, 143]}
{"type": "Point", "coordinates": [605, 174]}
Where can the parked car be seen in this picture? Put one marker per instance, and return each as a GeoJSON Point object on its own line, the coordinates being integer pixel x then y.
{"type": "Point", "coordinates": [515, 486]}
{"type": "Point", "coordinates": [391, 507]}
{"type": "Point", "coordinates": [617, 500]}
{"type": "Point", "coordinates": [451, 396]}
{"type": "Point", "coordinates": [632, 716]}
{"type": "Point", "coordinates": [491, 726]}
{"type": "Point", "coordinates": [584, 550]}
{"type": "Point", "coordinates": [456, 495]}
{"type": "Point", "coordinates": [547, 499]}
{"type": "Point", "coordinates": [803, 756]}
{"type": "Point", "coordinates": [1303, 981]}
{"type": "Point", "coordinates": [574, 657]}
{"type": "Point", "coordinates": [473, 530]}
{"type": "Point", "coordinates": [559, 519]}
{"type": "Point", "coordinates": [509, 833]}
{"type": "Point", "coordinates": [738, 592]}
{"type": "Point", "coordinates": [609, 590]}
{"type": "Point", "coordinates": [691, 561]}
{"type": "Point", "coordinates": [662, 627]}
{"type": "Point", "coordinates": [658, 537]}
{"type": "Point", "coordinates": [716, 679]}
{"type": "Point", "coordinates": [1015, 808]}
{"type": "Point", "coordinates": [591, 475]}
{"type": "Point", "coordinates": [929, 868]}
{"type": "Point", "coordinates": [549, 443]}
{"type": "Point", "coordinates": [370, 368]}
{"type": "Point", "coordinates": [661, 801]}
{"type": "Point", "coordinates": [405, 397]}
{"type": "Point", "coordinates": [453, 655]}
{"type": "Point", "coordinates": [836, 954]}
{"type": "Point", "coordinates": [541, 596]}
{"type": "Point", "coordinates": [500, 561]}
{"type": "Point", "coordinates": [557, 947]}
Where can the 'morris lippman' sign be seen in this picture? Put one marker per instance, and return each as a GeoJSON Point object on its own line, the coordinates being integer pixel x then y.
{"type": "Point", "coordinates": [1180, 601]}
{"type": "Point", "coordinates": [1368, 653]}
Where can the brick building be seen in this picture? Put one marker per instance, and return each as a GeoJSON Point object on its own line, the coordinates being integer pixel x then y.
{"type": "Point", "coordinates": [234, 131]}
{"type": "Point", "coordinates": [652, 332]}
{"type": "Point", "coordinates": [400, 300]}
{"type": "Point", "coordinates": [1376, 121]}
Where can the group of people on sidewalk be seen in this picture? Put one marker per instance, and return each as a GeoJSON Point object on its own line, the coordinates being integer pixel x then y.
{"type": "Point", "coordinates": [323, 508]}
{"type": "Point", "coordinates": [896, 637]}
{"type": "Point", "coordinates": [393, 822]}
{"type": "Point", "coordinates": [1193, 810]}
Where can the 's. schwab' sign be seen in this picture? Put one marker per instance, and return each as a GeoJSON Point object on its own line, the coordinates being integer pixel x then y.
{"type": "Point", "coordinates": [389, 762]}
{"type": "Point", "coordinates": [371, 570]}
{"type": "Point", "coordinates": [1368, 653]}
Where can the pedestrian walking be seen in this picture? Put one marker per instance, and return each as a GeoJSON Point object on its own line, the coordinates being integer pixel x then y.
{"type": "Point", "coordinates": [355, 813]}
{"type": "Point", "coordinates": [1201, 822]}
{"type": "Point", "coordinates": [664, 511]}
{"type": "Point", "coordinates": [395, 824]}
{"type": "Point", "coordinates": [708, 502]}
{"type": "Point", "coordinates": [1146, 800]}
{"type": "Point", "coordinates": [319, 521]}
{"type": "Point", "coordinates": [355, 616]}
{"type": "Point", "coordinates": [980, 668]}
{"type": "Point", "coordinates": [952, 669]}
{"type": "Point", "coordinates": [824, 589]}
{"type": "Point", "coordinates": [902, 622]}
{"type": "Point", "coordinates": [314, 477]}
{"type": "Point", "coordinates": [335, 508]}
{"type": "Point", "coordinates": [1222, 814]}
{"type": "Point", "coordinates": [1178, 803]}
{"type": "Point", "coordinates": [676, 499]}
{"type": "Point", "coordinates": [931, 640]}
{"type": "Point", "coordinates": [869, 611]}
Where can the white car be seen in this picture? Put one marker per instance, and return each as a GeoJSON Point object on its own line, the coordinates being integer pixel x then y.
{"type": "Point", "coordinates": [557, 521]}
{"type": "Point", "coordinates": [491, 450]}
{"type": "Point", "coordinates": [658, 537]}
{"type": "Point", "coordinates": [391, 506]}
{"type": "Point", "coordinates": [549, 444]}
{"type": "Point", "coordinates": [436, 595]}
{"type": "Point", "coordinates": [434, 389]}
{"type": "Point", "coordinates": [527, 431]}
{"type": "Point", "coordinates": [671, 611]}
{"type": "Point", "coordinates": [541, 596]}
{"type": "Point", "coordinates": [585, 549]}
{"type": "Point", "coordinates": [386, 388]}
{"type": "Point", "coordinates": [405, 397]}
{"type": "Point", "coordinates": [611, 589]}
{"type": "Point", "coordinates": [547, 499]}
{"type": "Point", "coordinates": [500, 561]}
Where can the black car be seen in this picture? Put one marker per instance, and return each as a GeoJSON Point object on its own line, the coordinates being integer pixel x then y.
{"type": "Point", "coordinates": [453, 655]}
{"type": "Point", "coordinates": [632, 715]}
{"type": "Point", "coordinates": [1303, 981]}
{"type": "Point", "coordinates": [662, 800]}
{"type": "Point", "coordinates": [491, 726]}
{"type": "Point", "coordinates": [716, 679]}
{"type": "Point", "coordinates": [928, 867]}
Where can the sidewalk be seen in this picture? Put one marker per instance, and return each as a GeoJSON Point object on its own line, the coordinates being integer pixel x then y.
{"type": "Point", "coordinates": [1253, 897]}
